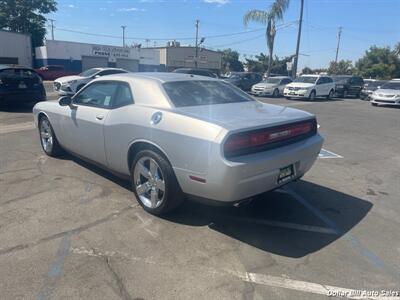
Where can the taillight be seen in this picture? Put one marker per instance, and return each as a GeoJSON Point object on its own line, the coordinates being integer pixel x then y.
{"type": "Point", "coordinates": [260, 139]}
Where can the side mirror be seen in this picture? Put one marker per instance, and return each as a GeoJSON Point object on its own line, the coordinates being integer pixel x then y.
{"type": "Point", "coordinates": [65, 101]}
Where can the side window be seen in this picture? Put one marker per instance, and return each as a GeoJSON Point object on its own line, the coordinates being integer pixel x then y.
{"type": "Point", "coordinates": [99, 94]}
{"type": "Point", "coordinates": [123, 97]}
{"type": "Point", "coordinates": [328, 80]}
{"type": "Point", "coordinates": [321, 80]}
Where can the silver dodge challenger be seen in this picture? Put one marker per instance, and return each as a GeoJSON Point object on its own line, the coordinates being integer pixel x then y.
{"type": "Point", "coordinates": [176, 135]}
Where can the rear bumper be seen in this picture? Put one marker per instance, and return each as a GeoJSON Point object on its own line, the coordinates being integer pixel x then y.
{"type": "Point", "coordinates": [25, 97]}
{"type": "Point", "coordinates": [250, 175]}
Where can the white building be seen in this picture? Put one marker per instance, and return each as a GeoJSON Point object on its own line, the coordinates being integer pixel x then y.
{"type": "Point", "coordinates": [175, 56]}
{"type": "Point", "coordinates": [15, 49]}
{"type": "Point", "coordinates": [77, 57]}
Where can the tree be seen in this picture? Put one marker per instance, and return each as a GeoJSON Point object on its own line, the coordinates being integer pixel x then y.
{"type": "Point", "coordinates": [26, 17]}
{"type": "Point", "coordinates": [230, 61]}
{"type": "Point", "coordinates": [381, 63]}
{"type": "Point", "coordinates": [307, 70]}
{"type": "Point", "coordinates": [268, 18]}
{"type": "Point", "coordinates": [397, 49]}
{"type": "Point", "coordinates": [343, 67]}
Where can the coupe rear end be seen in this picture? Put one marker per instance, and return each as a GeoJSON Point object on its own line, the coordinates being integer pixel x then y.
{"type": "Point", "coordinates": [260, 147]}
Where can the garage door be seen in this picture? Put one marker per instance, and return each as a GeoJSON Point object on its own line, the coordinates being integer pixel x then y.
{"type": "Point", "coordinates": [128, 64]}
{"type": "Point", "coordinates": [89, 62]}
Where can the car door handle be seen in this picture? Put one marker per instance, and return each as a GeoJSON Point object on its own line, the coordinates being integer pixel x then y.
{"type": "Point", "coordinates": [100, 117]}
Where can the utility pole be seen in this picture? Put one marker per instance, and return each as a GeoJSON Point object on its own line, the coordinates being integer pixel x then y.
{"type": "Point", "coordinates": [296, 58]}
{"type": "Point", "coordinates": [197, 46]}
{"type": "Point", "coordinates": [123, 35]}
{"type": "Point", "coordinates": [52, 28]}
{"type": "Point", "coordinates": [338, 44]}
{"type": "Point", "coordinates": [147, 42]}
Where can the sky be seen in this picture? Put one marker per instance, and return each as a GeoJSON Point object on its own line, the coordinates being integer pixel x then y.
{"type": "Point", "coordinates": [364, 22]}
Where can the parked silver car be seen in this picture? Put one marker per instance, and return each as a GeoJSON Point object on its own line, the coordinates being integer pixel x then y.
{"type": "Point", "coordinates": [272, 86]}
{"type": "Point", "coordinates": [387, 94]}
{"type": "Point", "coordinates": [174, 134]}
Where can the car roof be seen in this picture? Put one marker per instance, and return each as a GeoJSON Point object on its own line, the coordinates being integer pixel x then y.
{"type": "Point", "coordinates": [2, 67]}
{"type": "Point", "coordinates": [160, 77]}
{"type": "Point", "coordinates": [280, 77]}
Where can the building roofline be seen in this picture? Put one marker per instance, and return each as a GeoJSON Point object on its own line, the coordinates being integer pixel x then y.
{"type": "Point", "coordinates": [165, 47]}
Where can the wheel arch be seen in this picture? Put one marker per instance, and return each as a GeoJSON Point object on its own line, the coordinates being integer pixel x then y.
{"type": "Point", "coordinates": [40, 115]}
{"type": "Point", "coordinates": [141, 144]}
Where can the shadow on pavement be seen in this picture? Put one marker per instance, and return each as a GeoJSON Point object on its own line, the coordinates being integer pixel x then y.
{"type": "Point", "coordinates": [277, 223]}
{"type": "Point", "coordinates": [17, 107]}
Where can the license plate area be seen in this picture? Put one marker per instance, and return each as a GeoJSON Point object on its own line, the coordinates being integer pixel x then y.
{"type": "Point", "coordinates": [286, 173]}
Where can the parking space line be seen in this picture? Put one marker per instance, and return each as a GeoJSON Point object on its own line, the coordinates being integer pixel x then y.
{"type": "Point", "coordinates": [328, 154]}
{"type": "Point", "coordinates": [287, 225]}
{"type": "Point", "coordinates": [371, 257]}
{"type": "Point", "coordinates": [305, 286]}
{"type": "Point", "coordinates": [16, 127]}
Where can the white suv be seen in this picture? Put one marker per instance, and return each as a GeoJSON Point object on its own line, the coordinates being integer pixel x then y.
{"type": "Point", "coordinates": [310, 87]}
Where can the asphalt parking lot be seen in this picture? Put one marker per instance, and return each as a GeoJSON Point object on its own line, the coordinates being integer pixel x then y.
{"type": "Point", "coordinates": [69, 230]}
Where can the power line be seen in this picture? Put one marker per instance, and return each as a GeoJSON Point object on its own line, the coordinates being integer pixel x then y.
{"type": "Point", "coordinates": [281, 26]}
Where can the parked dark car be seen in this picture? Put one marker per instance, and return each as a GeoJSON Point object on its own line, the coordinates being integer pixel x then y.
{"type": "Point", "coordinates": [52, 72]}
{"type": "Point", "coordinates": [370, 86]}
{"type": "Point", "coordinates": [201, 72]}
{"type": "Point", "coordinates": [244, 80]}
{"type": "Point", "coordinates": [18, 85]}
{"type": "Point", "coordinates": [348, 85]}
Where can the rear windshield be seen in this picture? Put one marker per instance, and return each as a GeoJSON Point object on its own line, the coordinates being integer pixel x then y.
{"type": "Point", "coordinates": [391, 86]}
{"type": "Point", "coordinates": [89, 72]}
{"type": "Point", "coordinates": [340, 78]}
{"type": "Point", "coordinates": [18, 74]}
{"type": "Point", "coordinates": [203, 92]}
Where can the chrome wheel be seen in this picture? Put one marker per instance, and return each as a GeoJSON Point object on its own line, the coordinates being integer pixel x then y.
{"type": "Point", "coordinates": [149, 182]}
{"type": "Point", "coordinates": [46, 135]}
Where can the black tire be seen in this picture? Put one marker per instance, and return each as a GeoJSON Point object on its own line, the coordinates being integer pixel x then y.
{"type": "Point", "coordinates": [330, 95]}
{"type": "Point", "coordinates": [345, 94]}
{"type": "Point", "coordinates": [275, 94]}
{"type": "Point", "coordinates": [374, 104]}
{"type": "Point", "coordinates": [312, 95]}
{"type": "Point", "coordinates": [51, 148]}
{"type": "Point", "coordinates": [288, 98]}
{"type": "Point", "coordinates": [172, 196]}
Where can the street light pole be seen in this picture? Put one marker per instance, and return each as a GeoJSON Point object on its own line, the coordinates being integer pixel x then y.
{"type": "Point", "coordinates": [52, 28]}
{"type": "Point", "coordinates": [123, 35]}
{"type": "Point", "coordinates": [338, 44]}
{"type": "Point", "coordinates": [197, 46]}
{"type": "Point", "coordinates": [296, 58]}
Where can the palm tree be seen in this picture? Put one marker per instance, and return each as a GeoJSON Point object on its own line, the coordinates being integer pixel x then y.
{"type": "Point", "coordinates": [269, 18]}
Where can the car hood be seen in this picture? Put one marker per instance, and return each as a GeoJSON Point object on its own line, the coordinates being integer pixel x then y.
{"type": "Point", "coordinates": [265, 85]}
{"type": "Point", "coordinates": [237, 116]}
{"type": "Point", "coordinates": [301, 85]}
{"type": "Point", "coordinates": [69, 78]}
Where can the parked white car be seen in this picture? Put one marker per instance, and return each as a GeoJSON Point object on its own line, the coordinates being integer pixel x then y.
{"type": "Point", "coordinates": [272, 86]}
{"type": "Point", "coordinates": [310, 87]}
{"type": "Point", "coordinates": [69, 85]}
{"type": "Point", "coordinates": [388, 94]}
